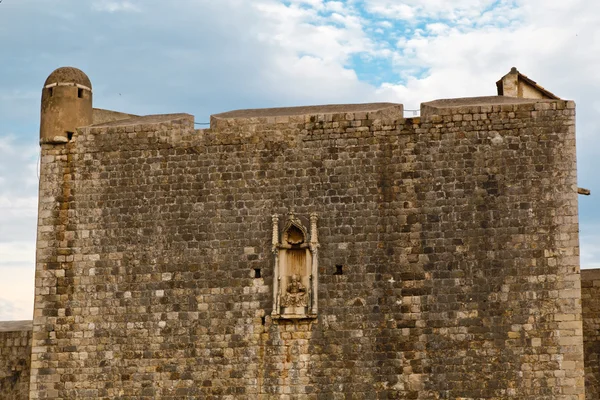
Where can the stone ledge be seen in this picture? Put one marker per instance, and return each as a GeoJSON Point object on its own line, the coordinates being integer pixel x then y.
{"type": "Point", "coordinates": [102, 116]}
{"type": "Point", "coordinates": [283, 317]}
{"type": "Point", "coordinates": [306, 110]}
{"type": "Point", "coordinates": [15, 326]}
{"type": "Point", "coordinates": [479, 104]}
{"type": "Point", "coordinates": [590, 274]}
{"type": "Point", "coordinates": [306, 114]}
{"type": "Point", "coordinates": [146, 120]}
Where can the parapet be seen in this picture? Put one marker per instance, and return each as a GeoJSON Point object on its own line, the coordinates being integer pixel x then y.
{"type": "Point", "coordinates": [331, 112]}
{"type": "Point", "coordinates": [145, 120]}
{"type": "Point", "coordinates": [435, 107]}
{"type": "Point", "coordinates": [16, 326]}
{"type": "Point", "coordinates": [101, 116]}
{"type": "Point", "coordinates": [590, 277]}
{"type": "Point", "coordinates": [168, 127]}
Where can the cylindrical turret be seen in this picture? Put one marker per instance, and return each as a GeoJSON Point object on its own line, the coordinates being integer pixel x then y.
{"type": "Point", "coordinates": [66, 105]}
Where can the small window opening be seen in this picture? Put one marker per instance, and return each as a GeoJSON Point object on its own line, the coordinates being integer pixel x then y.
{"type": "Point", "coordinates": [263, 320]}
{"type": "Point", "coordinates": [339, 270]}
{"type": "Point", "coordinates": [257, 272]}
{"type": "Point", "coordinates": [51, 91]}
{"type": "Point", "coordinates": [80, 93]}
{"type": "Point", "coordinates": [69, 135]}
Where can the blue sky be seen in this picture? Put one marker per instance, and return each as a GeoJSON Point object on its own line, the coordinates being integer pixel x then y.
{"type": "Point", "coordinates": [210, 56]}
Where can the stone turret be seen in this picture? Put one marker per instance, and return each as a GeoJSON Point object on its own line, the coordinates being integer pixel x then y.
{"type": "Point", "coordinates": [66, 105]}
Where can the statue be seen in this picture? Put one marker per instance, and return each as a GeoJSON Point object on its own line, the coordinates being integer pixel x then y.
{"type": "Point", "coordinates": [295, 295]}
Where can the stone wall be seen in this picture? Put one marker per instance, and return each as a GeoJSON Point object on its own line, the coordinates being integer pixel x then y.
{"type": "Point", "coordinates": [101, 116]}
{"type": "Point", "coordinates": [448, 259]}
{"type": "Point", "coordinates": [590, 299]}
{"type": "Point", "coordinates": [15, 354]}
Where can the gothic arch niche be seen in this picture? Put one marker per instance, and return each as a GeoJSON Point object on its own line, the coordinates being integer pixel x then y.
{"type": "Point", "coordinates": [296, 265]}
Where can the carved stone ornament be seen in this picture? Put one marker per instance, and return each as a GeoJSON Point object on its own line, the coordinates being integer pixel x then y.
{"type": "Point", "coordinates": [296, 265]}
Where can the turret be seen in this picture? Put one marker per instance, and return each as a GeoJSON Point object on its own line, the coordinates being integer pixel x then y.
{"type": "Point", "coordinates": [66, 105]}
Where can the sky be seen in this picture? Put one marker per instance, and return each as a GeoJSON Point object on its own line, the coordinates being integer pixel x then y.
{"type": "Point", "coordinates": [209, 56]}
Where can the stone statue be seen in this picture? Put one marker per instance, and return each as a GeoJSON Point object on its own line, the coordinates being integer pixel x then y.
{"type": "Point", "coordinates": [295, 295]}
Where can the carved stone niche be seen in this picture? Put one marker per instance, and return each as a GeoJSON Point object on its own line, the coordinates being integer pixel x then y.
{"type": "Point", "coordinates": [296, 264]}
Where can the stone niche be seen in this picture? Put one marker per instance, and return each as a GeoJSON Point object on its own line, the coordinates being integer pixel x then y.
{"type": "Point", "coordinates": [295, 272]}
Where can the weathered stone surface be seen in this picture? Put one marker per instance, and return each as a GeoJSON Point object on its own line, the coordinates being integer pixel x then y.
{"type": "Point", "coordinates": [101, 116]}
{"type": "Point", "coordinates": [590, 298]}
{"type": "Point", "coordinates": [66, 105]}
{"type": "Point", "coordinates": [15, 353]}
{"type": "Point", "coordinates": [448, 259]}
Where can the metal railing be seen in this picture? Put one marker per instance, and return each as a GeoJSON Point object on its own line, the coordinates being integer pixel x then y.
{"type": "Point", "coordinates": [412, 113]}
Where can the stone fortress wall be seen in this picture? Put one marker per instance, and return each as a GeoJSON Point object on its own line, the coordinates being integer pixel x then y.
{"type": "Point", "coordinates": [445, 265]}
{"type": "Point", "coordinates": [590, 299]}
{"type": "Point", "coordinates": [15, 356]}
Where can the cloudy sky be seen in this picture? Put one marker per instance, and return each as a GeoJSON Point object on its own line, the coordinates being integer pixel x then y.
{"type": "Point", "coordinates": [209, 56]}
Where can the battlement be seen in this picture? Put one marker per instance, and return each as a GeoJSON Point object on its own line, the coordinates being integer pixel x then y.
{"type": "Point", "coordinates": [338, 116]}
{"type": "Point", "coordinates": [328, 121]}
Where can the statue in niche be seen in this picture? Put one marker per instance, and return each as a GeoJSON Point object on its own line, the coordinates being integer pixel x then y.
{"type": "Point", "coordinates": [296, 262]}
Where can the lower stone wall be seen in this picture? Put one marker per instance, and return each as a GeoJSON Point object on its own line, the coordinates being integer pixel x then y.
{"type": "Point", "coordinates": [15, 355]}
{"type": "Point", "coordinates": [590, 299]}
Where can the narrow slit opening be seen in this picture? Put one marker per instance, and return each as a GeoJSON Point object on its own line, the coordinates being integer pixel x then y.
{"type": "Point", "coordinates": [69, 135]}
{"type": "Point", "coordinates": [257, 272]}
{"type": "Point", "coordinates": [80, 93]}
{"type": "Point", "coordinates": [339, 270]}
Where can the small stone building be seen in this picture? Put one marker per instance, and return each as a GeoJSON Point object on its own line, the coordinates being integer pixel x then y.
{"type": "Point", "coordinates": [322, 252]}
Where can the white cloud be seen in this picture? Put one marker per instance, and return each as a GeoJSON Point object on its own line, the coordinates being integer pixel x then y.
{"type": "Point", "coordinates": [385, 24]}
{"type": "Point", "coordinates": [16, 292]}
{"type": "Point", "coordinates": [16, 252]}
{"type": "Point", "coordinates": [457, 11]}
{"type": "Point", "coordinates": [590, 249]}
{"type": "Point", "coordinates": [461, 62]}
{"type": "Point", "coordinates": [437, 28]}
{"type": "Point", "coordinates": [336, 6]}
{"type": "Point", "coordinates": [112, 6]}
{"type": "Point", "coordinates": [18, 170]}
{"type": "Point", "coordinates": [318, 4]}
{"type": "Point", "coordinates": [390, 10]}
{"type": "Point", "coordinates": [302, 31]}
{"type": "Point", "coordinates": [18, 211]}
